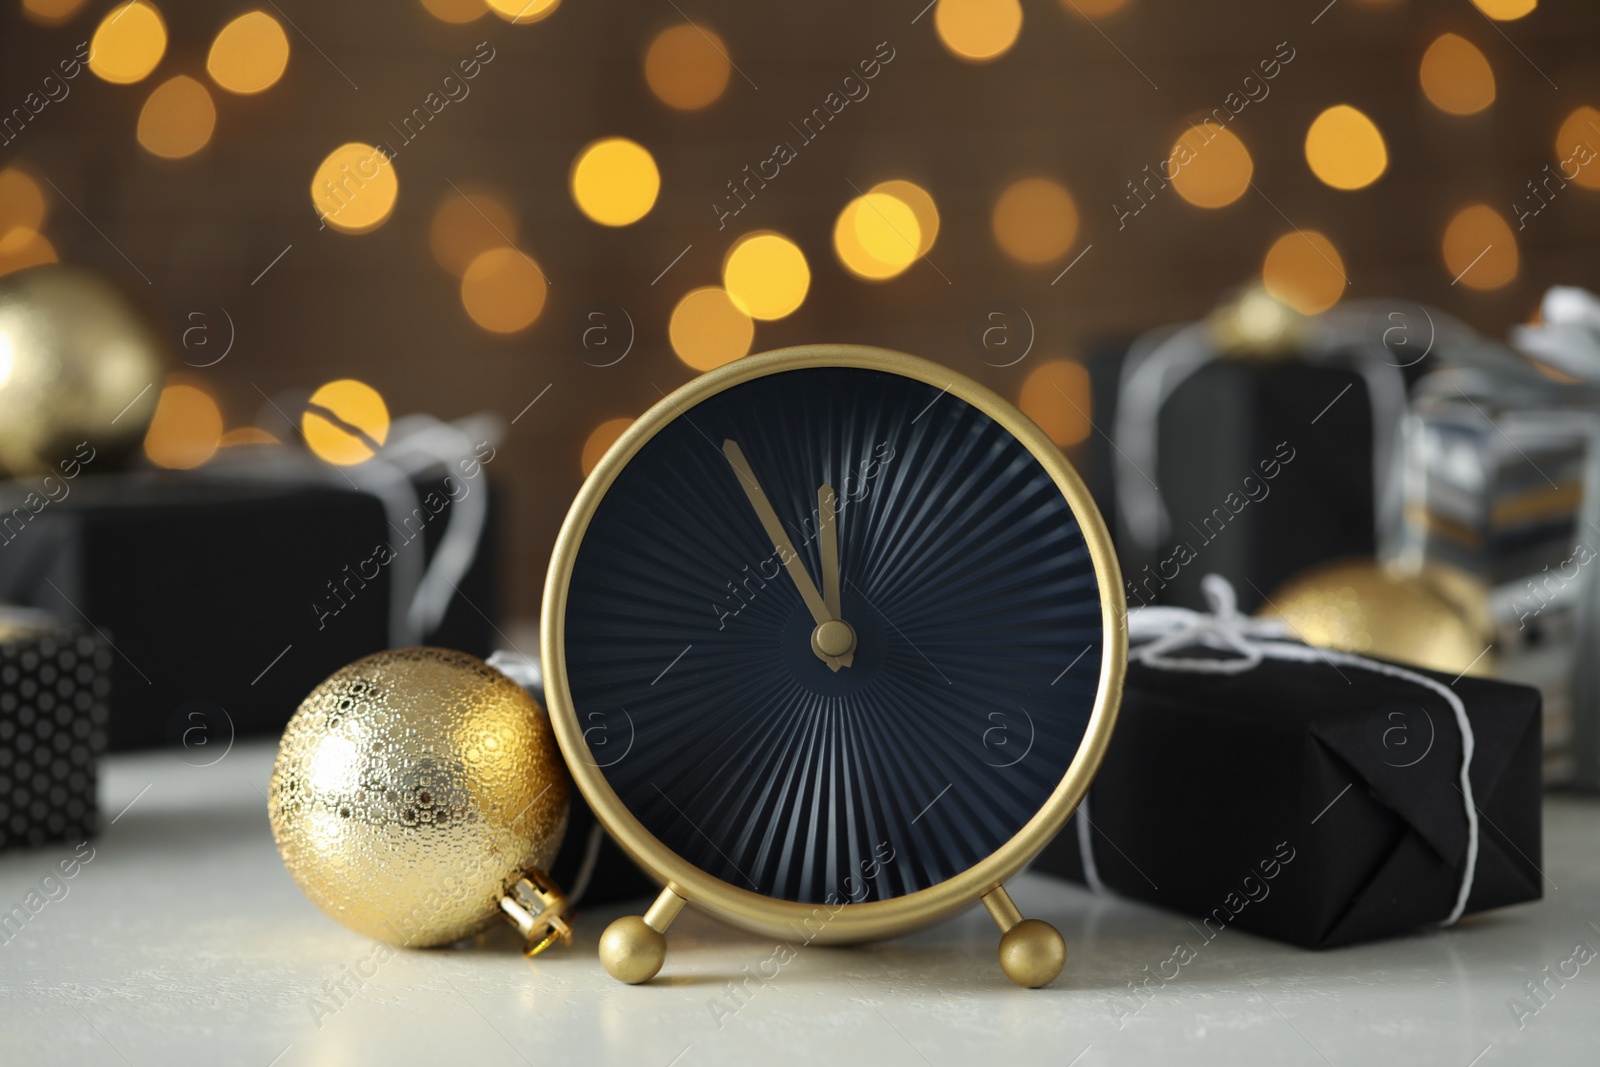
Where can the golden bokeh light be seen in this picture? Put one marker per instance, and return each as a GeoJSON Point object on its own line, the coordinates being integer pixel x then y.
{"type": "Point", "coordinates": [1480, 251]}
{"type": "Point", "coordinates": [877, 236]}
{"type": "Point", "coordinates": [1056, 396]}
{"type": "Point", "coordinates": [1304, 270]}
{"type": "Point", "coordinates": [523, 11]}
{"type": "Point", "coordinates": [186, 428]}
{"type": "Point", "coordinates": [503, 290]}
{"type": "Point", "coordinates": [707, 329]}
{"type": "Point", "coordinates": [51, 12]}
{"type": "Point", "coordinates": [978, 30]}
{"type": "Point", "coordinates": [1578, 147]}
{"type": "Point", "coordinates": [128, 43]}
{"type": "Point", "coordinates": [1210, 166]}
{"type": "Point", "coordinates": [178, 119]}
{"type": "Point", "coordinates": [467, 224]}
{"type": "Point", "coordinates": [600, 441]}
{"type": "Point", "coordinates": [345, 422]}
{"type": "Point", "coordinates": [22, 202]}
{"type": "Point", "coordinates": [1345, 148]}
{"type": "Point", "coordinates": [354, 188]}
{"type": "Point", "coordinates": [456, 11]}
{"type": "Point", "coordinates": [22, 247]}
{"type": "Point", "coordinates": [1456, 77]}
{"type": "Point", "coordinates": [766, 275]}
{"type": "Point", "coordinates": [920, 201]}
{"type": "Point", "coordinates": [1506, 10]}
{"type": "Point", "coordinates": [1035, 221]}
{"type": "Point", "coordinates": [615, 181]}
{"type": "Point", "coordinates": [249, 54]}
{"type": "Point", "coordinates": [687, 67]}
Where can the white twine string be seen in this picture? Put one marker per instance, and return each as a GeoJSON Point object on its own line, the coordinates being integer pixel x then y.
{"type": "Point", "coordinates": [1166, 630]}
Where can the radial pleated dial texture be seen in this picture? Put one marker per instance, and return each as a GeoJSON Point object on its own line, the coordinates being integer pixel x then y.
{"type": "Point", "coordinates": [411, 789]}
{"type": "Point", "coordinates": [963, 572]}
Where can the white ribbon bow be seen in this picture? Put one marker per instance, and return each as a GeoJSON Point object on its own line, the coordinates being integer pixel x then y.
{"type": "Point", "coordinates": [1165, 630]}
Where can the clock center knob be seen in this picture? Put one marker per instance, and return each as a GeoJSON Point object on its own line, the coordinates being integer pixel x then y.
{"type": "Point", "coordinates": [833, 638]}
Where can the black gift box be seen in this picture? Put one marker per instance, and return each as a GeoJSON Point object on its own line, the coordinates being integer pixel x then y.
{"type": "Point", "coordinates": [53, 687]}
{"type": "Point", "coordinates": [1313, 803]}
{"type": "Point", "coordinates": [226, 600]}
{"type": "Point", "coordinates": [1265, 468]}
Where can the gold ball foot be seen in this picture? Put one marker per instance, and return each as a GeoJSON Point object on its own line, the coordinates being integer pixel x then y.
{"type": "Point", "coordinates": [632, 951]}
{"type": "Point", "coordinates": [1032, 953]}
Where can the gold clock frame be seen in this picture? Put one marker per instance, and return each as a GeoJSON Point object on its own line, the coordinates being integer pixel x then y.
{"type": "Point", "coordinates": [633, 948]}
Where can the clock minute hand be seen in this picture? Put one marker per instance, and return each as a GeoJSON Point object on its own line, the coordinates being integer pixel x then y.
{"type": "Point", "coordinates": [775, 531]}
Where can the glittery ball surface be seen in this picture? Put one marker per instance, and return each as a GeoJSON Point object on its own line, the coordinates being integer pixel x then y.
{"type": "Point", "coordinates": [410, 790]}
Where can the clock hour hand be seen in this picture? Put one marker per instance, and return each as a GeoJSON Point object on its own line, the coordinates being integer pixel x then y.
{"type": "Point", "coordinates": [828, 532]}
{"type": "Point", "coordinates": [836, 631]}
{"type": "Point", "coordinates": [826, 623]}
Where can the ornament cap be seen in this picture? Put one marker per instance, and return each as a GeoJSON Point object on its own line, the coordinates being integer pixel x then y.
{"type": "Point", "coordinates": [539, 910]}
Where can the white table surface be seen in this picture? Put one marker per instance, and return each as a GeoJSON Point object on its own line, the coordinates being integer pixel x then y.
{"type": "Point", "coordinates": [184, 941]}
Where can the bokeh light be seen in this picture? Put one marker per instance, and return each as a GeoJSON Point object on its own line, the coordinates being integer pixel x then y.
{"type": "Point", "coordinates": [707, 329]}
{"type": "Point", "coordinates": [766, 275]}
{"type": "Point", "coordinates": [877, 236]}
{"type": "Point", "coordinates": [1035, 221]}
{"type": "Point", "coordinates": [249, 54]}
{"type": "Point", "coordinates": [51, 12]}
{"type": "Point", "coordinates": [600, 440]}
{"type": "Point", "coordinates": [1455, 76]}
{"type": "Point", "coordinates": [615, 181]}
{"type": "Point", "coordinates": [23, 247]}
{"type": "Point", "coordinates": [467, 224]}
{"type": "Point", "coordinates": [687, 67]}
{"type": "Point", "coordinates": [920, 201]}
{"type": "Point", "coordinates": [354, 188]}
{"type": "Point", "coordinates": [22, 202]}
{"type": "Point", "coordinates": [1210, 166]}
{"type": "Point", "coordinates": [1304, 270]}
{"type": "Point", "coordinates": [503, 290]}
{"type": "Point", "coordinates": [186, 428]}
{"type": "Point", "coordinates": [1480, 251]}
{"type": "Point", "coordinates": [1579, 140]}
{"type": "Point", "coordinates": [128, 43]}
{"type": "Point", "coordinates": [524, 11]}
{"type": "Point", "coordinates": [1345, 148]}
{"type": "Point", "coordinates": [345, 422]}
{"type": "Point", "coordinates": [456, 11]}
{"type": "Point", "coordinates": [978, 30]}
{"type": "Point", "coordinates": [1506, 10]}
{"type": "Point", "coordinates": [1056, 396]}
{"type": "Point", "coordinates": [178, 119]}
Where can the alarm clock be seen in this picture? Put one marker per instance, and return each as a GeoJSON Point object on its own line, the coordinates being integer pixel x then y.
{"type": "Point", "coordinates": [833, 645]}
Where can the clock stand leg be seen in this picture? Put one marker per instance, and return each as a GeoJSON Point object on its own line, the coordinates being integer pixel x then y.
{"type": "Point", "coordinates": [633, 948]}
{"type": "Point", "coordinates": [1031, 950]}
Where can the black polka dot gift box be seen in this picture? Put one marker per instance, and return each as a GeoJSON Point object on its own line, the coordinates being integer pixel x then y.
{"type": "Point", "coordinates": [54, 684]}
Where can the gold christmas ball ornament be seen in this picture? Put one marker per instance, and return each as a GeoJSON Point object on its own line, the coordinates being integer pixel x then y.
{"type": "Point", "coordinates": [417, 794]}
{"type": "Point", "coordinates": [1254, 324]}
{"type": "Point", "coordinates": [1363, 607]}
{"type": "Point", "coordinates": [78, 363]}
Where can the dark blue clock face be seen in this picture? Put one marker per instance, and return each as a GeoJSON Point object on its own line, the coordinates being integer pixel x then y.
{"type": "Point", "coordinates": [964, 581]}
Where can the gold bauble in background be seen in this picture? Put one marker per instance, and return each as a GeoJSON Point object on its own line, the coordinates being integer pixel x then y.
{"type": "Point", "coordinates": [78, 363]}
{"type": "Point", "coordinates": [1254, 324]}
{"type": "Point", "coordinates": [1362, 607]}
{"type": "Point", "coordinates": [417, 794]}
